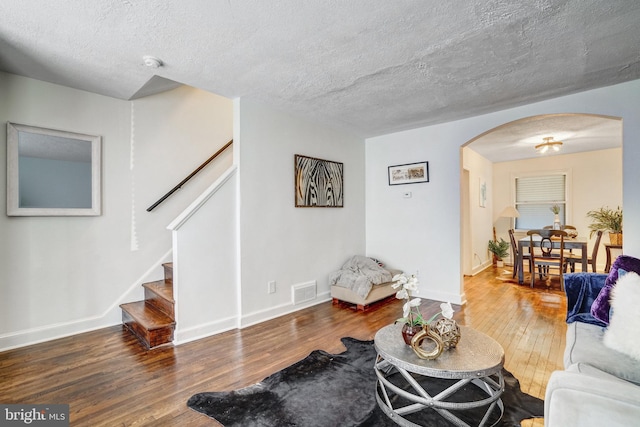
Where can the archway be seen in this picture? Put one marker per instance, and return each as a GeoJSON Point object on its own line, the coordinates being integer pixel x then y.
{"type": "Point", "coordinates": [494, 156]}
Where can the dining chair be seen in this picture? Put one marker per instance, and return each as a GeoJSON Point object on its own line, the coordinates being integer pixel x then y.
{"type": "Point", "coordinates": [572, 259]}
{"type": "Point", "coordinates": [572, 231]}
{"type": "Point", "coordinates": [549, 255]}
{"type": "Point", "coordinates": [514, 248]}
{"type": "Point", "coordinates": [564, 227]}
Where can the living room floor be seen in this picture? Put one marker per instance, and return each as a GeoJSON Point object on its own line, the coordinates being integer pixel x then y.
{"type": "Point", "coordinates": [109, 379]}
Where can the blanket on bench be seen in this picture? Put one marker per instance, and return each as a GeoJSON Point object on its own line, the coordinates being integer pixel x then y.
{"type": "Point", "coordinates": [359, 274]}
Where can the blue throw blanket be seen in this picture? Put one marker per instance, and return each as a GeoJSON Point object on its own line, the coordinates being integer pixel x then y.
{"type": "Point", "coordinates": [582, 289]}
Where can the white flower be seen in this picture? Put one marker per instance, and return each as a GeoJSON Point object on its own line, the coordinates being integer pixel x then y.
{"type": "Point", "coordinates": [412, 284]}
{"type": "Point", "coordinates": [402, 294]}
{"type": "Point", "coordinates": [408, 287]}
{"type": "Point", "coordinates": [447, 310]}
{"type": "Point", "coordinates": [399, 279]}
{"type": "Point", "coordinates": [407, 306]}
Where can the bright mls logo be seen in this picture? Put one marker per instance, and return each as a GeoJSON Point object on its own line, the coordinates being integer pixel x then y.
{"type": "Point", "coordinates": [34, 415]}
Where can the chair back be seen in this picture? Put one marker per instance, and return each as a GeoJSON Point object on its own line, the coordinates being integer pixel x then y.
{"type": "Point", "coordinates": [571, 230]}
{"type": "Point", "coordinates": [546, 244]}
{"type": "Point", "coordinates": [514, 246]}
{"type": "Point", "coordinates": [594, 254]}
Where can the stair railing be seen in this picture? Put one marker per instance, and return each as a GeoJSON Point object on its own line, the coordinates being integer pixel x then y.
{"type": "Point", "coordinates": [191, 175]}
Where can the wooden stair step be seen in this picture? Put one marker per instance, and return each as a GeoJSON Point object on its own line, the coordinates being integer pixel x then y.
{"type": "Point", "coordinates": [152, 326]}
{"type": "Point", "coordinates": [152, 321]}
{"type": "Point", "coordinates": [162, 288]}
{"type": "Point", "coordinates": [160, 295]}
{"type": "Point", "coordinates": [168, 272]}
{"type": "Point", "coordinates": [147, 315]}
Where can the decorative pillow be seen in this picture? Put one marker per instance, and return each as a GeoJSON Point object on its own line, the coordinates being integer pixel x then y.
{"type": "Point", "coordinates": [600, 307]}
{"type": "Point", "coordinates": [622, 333]}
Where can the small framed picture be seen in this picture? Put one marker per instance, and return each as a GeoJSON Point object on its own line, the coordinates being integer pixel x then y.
{"type": "Point", "coordinates": [482, 191]}
{"type": "Point", "coordinates": [411, 173]}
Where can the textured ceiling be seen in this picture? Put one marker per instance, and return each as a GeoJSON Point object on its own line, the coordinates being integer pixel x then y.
{"type": "Point", "coordinates": [369, 66]}
{"type": "Point", "coordinates": [577, 132]}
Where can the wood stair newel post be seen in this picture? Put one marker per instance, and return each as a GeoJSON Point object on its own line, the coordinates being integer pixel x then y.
{"type": "Point", "coordinates": [152, 320]}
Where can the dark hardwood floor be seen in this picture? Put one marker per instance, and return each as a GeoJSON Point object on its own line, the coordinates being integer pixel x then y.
{"type": "Point", "coordinates": [110, 380]}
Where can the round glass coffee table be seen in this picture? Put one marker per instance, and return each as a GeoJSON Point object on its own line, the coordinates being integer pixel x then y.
{"type": "Point", "coordinates": [477, 360]}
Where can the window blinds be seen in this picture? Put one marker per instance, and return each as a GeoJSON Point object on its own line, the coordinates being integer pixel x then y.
{"type": "Point", "coordinates": [535, 195]}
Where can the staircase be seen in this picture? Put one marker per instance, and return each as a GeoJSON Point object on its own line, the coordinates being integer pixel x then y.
{"type": "Point", "coordinates": [152, 321]}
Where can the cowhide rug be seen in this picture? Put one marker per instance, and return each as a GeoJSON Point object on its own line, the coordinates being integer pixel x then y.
{"type": "Point", "coordinates": [339, 390]}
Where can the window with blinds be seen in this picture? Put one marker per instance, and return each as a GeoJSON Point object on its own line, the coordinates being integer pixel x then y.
{"type": "Point", "coordinates": [535, 195]}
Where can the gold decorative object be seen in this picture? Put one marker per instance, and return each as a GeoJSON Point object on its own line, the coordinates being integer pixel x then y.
{"type": "Point", "coordinates": [427, 334]}
{"type": "Point", "coordinates": [449, 332]}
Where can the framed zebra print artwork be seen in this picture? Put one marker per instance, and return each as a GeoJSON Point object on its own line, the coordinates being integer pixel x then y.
{"type": "Point", "coordinates": [318, 183]}
{"type": "Point", "coordinates": [412, 173]}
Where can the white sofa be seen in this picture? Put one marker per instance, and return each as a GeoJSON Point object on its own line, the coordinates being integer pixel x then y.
{"type": "Point", "coordinates": [599, 386]}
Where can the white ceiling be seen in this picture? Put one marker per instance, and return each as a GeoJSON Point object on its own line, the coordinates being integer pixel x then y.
{"type": "Point", "coordinates": [577, 132]}
{"type": "Point", "coordinates": [368, 66]}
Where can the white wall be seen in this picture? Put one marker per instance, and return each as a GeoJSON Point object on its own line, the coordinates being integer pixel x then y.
{"type": "Point", "coordinates": [419, 235]}
{"type": "Point", "coordinates": [595, 181]}
{"type": "Point", "coordinates": [205, 283]}
{"type": "Point", "coordinates": [279, 241]}
{"type": "Point", "coordinates": [423, 233]}
{"type": "Point", "coordinates": [480, 218]}
{"type": "Point", "coordinates": [63, 275]}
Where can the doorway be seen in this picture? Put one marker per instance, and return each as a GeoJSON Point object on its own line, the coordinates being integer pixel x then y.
{"type": "Point", "coordinates": [592, 146]}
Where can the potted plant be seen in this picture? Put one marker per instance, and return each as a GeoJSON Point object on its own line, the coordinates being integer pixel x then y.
{"type": "Point", "coordinates": [412, 319]}
{"type": "Point", "coordinates": [500, 249]}
{"type": "Point", "coordinates": [606, 219]}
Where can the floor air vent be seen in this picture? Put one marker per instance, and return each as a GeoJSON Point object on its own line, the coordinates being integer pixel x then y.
{"type": "Point", "coordinates": [303, 292]}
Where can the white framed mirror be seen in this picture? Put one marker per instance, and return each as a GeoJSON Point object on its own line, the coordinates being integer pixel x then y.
{"type": "Point", "coordinates": [52, 172]}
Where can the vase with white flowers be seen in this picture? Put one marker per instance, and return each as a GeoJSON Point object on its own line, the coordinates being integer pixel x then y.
{"type": "Point", "coordinates": [556, 216]}
{"type": "Point", "coordinates": [412, 320]}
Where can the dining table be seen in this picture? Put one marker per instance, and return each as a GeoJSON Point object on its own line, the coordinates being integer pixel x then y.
{"type": "Point", "coordinates": [570, 243]}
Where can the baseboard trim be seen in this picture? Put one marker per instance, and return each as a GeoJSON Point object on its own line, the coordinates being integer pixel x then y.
{"type": "Point", "coordinates": [458, 299]}
{"type": "Point", "coordinates": [183, 336]}
{"type": "Point", "coordinates": [281, 310]}
{"type": "Point", "coordinates": [53, 332]}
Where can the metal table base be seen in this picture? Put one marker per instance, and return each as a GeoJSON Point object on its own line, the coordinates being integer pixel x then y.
{"type": "Point", "coordinates": [422, 400]}
{"type": "Point", "coordinates": [405, 382]}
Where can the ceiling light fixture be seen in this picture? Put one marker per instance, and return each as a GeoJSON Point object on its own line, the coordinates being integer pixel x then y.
{"type": "Point", "coordinates": [152, 61]}
{"type": "Point", "coordinates": [548, 143]}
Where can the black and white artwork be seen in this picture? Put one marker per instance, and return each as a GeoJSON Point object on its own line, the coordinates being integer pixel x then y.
{"type": "Point", "coordinates": [318, 183]}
